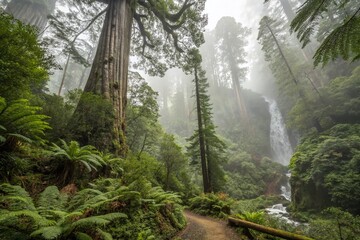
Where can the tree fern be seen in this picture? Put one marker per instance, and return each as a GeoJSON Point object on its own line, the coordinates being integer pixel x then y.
{"type": "Point", "coordinates": [342, 41]}
{"type": "Point", "coordinates": [73, 156]}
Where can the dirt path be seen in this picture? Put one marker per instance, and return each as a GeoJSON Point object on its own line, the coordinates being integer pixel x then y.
{"type": "Point", "coordinates": [206, 228]}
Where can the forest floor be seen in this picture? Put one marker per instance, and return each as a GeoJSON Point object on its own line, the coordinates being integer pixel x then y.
{"type": "Point", "coordinates": [206, 228]}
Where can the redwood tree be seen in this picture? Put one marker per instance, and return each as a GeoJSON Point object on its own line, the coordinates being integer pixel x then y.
{"type": "Point", "coordinates": [159, 33]}
{"type": "Point", "coordinates": [34, 12]}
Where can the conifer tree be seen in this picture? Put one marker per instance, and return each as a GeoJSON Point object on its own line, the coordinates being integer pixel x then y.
{"type": "Point", "coordinates": [204, 143]}
{"type": "Point", "coordinates": [33, 12]}
{"type": "Point", "coordinates": [153, 31]}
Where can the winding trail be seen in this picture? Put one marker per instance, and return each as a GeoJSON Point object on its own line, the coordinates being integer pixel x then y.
{"type": "Point", "coordinates": [206, 228]}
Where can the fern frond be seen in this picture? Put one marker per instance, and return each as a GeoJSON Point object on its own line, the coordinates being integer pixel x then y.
{"type": "Point", "coordinates": [51, 232]}
{"type": "Point", "coordinates": [17, 196]}
{"type": "Point", "coordinates": [104, 235]}
{"type": "Point", "coordinates": [82, 236]}
{"type": "Point", "coordinates": [51, 199]}
{"type": "Point", "coordinates": [344, 41]}
{"type": "Point", "coordinates": [37, 219]}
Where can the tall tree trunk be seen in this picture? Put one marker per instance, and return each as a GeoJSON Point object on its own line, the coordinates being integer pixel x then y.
{"type": "Point", "coordinates": [64, 75]}
{"type": "Point", "coordinates": [204, 165]}
{"type": "Point", "coordinates": [289, 12]}
{"type": "Point", "coordinates": [109, 73]}
{"type": "Point", "coordinates": [29, 12]}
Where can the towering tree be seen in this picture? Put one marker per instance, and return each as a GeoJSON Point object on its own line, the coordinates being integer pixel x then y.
{"type": "Point", "coordinates": [204, 143]}
{"type": "Point", "coordinates": [165, 27]}
{"type": "Point", "coordinates": [274, 52]}
{"type": "Point", "coordinates": [33, 12]}
{"type": "Point", "coordinates": [231, 42]}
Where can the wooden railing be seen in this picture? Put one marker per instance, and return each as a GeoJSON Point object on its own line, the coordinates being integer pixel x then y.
{"type": "Point", "coordinates": [268, 230]}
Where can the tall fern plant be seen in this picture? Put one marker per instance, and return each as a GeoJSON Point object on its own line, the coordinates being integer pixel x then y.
{"type": "Point", "coordinates": [20, 218]}
{"type": "Point", "coordinates": [75, 160]}
{"type": "Point", "coordinates": [19, 123]}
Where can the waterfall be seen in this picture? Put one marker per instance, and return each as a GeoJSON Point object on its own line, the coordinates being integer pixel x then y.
{"type": "Point", "coordinates": [279, 139]}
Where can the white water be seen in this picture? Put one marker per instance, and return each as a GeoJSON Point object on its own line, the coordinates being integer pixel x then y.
{"type": "Point", "coordinates": [282, 151]}
{"type": "Point", "coordinates": [279, 139]}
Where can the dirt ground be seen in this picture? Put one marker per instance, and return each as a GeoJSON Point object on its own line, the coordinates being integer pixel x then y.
{"type": "Point", "coordinates": [206, 228]}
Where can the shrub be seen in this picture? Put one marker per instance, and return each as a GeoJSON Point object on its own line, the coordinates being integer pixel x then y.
{"type": "Point", "coordinates": [217, 205]}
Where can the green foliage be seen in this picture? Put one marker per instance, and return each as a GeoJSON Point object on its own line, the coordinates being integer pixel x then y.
{"type": "Point", "coordinates": [142, 112]}
{"type": "Point", "coordinates": [249, 177]}
{"type": "Point", "coordinates": [325, 170]}
{"type": "Point", "coordinates": [217, 205]}
{"type": "Point", "coordinates": [255, 204]}
{"type": "Point", "coordinates": [74, 159]}
{"type": "Point", "coordinates": [174, 163]}
{"type": "Point", "coordinates": [59, 110]}
{"type": "Point", "coordinates": [23, 61]}
{"type": "Point", "coordinates": [204, 144]}
{"type": "Point", "coordinates": [20, 122]}
{"type": "Point", "coordinates": [338, 102]}
{"type": "Point", "coordinates": [335, 223]}
{"type": "Point", "coordinates": [107, 210]}
{"type": "Point", "coordinates": [93, 125]}
{"type": "Point", "coordinates": [255, 217]}
{"type": "Point", "coordinates": [342, 40]}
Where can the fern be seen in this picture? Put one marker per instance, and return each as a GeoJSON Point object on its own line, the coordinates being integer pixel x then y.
{"type": "Point", "coordinates": [51, 232]}
{"type": "Point", "coordinates": [15, 217]}
{"type": "Point", "coordinates": [73, 156]}
{"type": "Point", "coordinates": [51, 199]}
{"type": "Point", "coordinates": [15, 198]}
{"type": "Point", "coordinates": [342, 41]}
{"type": "Point", "coordinates": [19, 120]}
{"type": "Point", "coordinates": [82, 236]}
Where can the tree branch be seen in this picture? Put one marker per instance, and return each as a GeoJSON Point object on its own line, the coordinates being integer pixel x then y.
{"type": "Point", "coordinates": [143, 32]}
{"type": "Point", "coordinates": [88, 26]}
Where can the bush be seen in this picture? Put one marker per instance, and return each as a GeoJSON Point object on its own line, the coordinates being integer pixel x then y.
{"type": "Point", "coordinates": [217, 205]}
{"type": "Point", "coordinates": [326, 170]}
{"type": "Point", "coordinates": [105, 210]}
{"type": "Point", "coordinates": [23, 61]}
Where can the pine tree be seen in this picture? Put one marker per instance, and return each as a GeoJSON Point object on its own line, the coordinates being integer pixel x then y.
{"type": "Point", "coordinates": [204, 142]}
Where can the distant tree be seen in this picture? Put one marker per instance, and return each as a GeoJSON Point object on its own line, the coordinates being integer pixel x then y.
{"type": "Point", "coordinates": [33, 12]}
{"type": "Point", "coordinates": [274, 53]}
{"type": "Point", "coordinates": [231, 41]}
{"type": "Point", "coordinates": [143, 130]}
{"type": "Point", "coordinates": [171, 156]}
{"type": "Point", "coordinates": [204, 143]}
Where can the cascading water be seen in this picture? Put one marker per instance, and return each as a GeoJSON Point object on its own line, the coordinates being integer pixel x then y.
{"type": "Point", "coordinates": [279, 139]}
{"type": "Point", "coordinates": [282, 151]}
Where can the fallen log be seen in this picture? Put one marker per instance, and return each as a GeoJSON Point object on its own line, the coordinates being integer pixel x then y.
{"type": "Point", "coordinates": [267, 230]}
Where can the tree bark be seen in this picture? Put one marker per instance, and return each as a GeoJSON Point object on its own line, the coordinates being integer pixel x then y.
{"type": "Point", "coordinates": [204, 166]}
{"type": "Point", "coordinates": [31, 13]}
{"type": "Point", "coordinates": [109, 73]}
